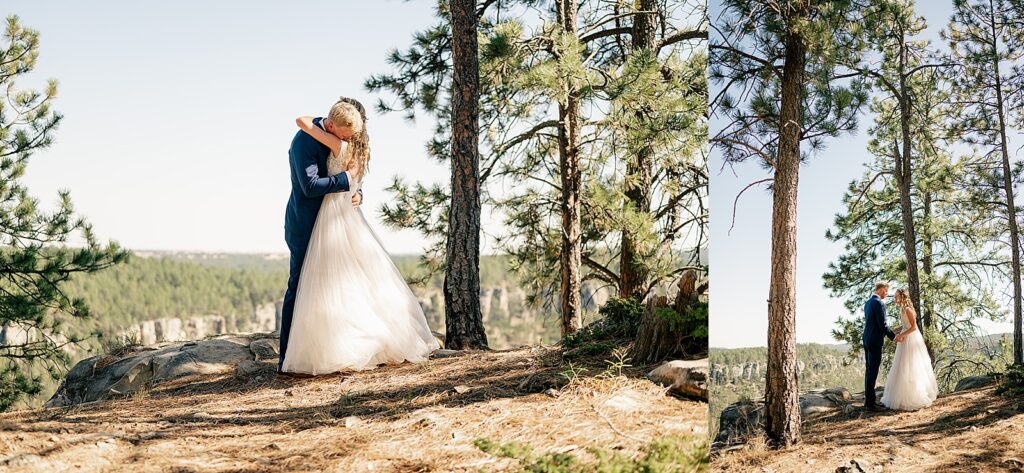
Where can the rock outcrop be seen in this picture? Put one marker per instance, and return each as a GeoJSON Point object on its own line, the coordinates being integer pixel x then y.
{"type": "Point", "coordinates": [265, 318]}
{"type": "Point", "coordinates": [972, 382]}
{"type": "Point", "coordinates": [105, 376]}
{"type": "Point", "coordinates": [741, 373]}
{"type": "Point", "coordinates": [684, 378]}
{"type": "Point", "coordinates": [742, 419]}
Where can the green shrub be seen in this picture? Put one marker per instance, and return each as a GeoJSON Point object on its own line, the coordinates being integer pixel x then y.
{"type": "Point", "coordinates": [667, 454]}
{"type": "Point", "coordinates": [1012, 384]}
{"type": "Point", "coordinates": [694, 324]}
{"type": "Point", "coordinates": [620, 319]}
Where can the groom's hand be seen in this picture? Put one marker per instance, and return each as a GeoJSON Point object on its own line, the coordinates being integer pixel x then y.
{"type": "Point", "coordinates": [357, 198]}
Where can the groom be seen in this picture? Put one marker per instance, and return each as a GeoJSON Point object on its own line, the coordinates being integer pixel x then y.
{"type": "Point", "coordinates": [875, 332]}
{"type": "Point", "coordinates": [310, 183]}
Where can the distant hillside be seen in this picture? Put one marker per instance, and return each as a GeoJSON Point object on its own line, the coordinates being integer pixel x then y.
{"type": "Point", "coordinates": [211, 293]}
{"type": "Point", "coordinates": [147, 288]}
{"type": "Point", "coordinates": [739, 373]}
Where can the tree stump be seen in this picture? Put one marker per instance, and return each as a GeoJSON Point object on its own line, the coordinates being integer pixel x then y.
{"type": "Point", "coordinates": [656, 339]}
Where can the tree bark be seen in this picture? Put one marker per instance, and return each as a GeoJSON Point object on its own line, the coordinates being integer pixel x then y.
{"type": "Point", "coordinates": [782, 396]}
{"type": "Point", "coordinates": [463, 320]}
{"type": "Point", "coordinates": [1011, 208]}
{"type": "Point", "coordinates": [570, 175]}
{"type": "Point", "coordinates": [927, 251]}
{"type": "Point", "coordinates": [904, 179]}
{"type": "Point", "coordinates": [632, 277]}
{"type": "Point", "coordinates": [657, 339]}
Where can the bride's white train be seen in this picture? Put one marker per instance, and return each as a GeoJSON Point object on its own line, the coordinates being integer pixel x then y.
{"type": "Point", "coordinates": [910, 384]}
{"type": "Point", "coordinates": [353, 308]}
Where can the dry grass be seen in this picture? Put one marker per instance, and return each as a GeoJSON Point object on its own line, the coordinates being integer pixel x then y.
{"type": "Point", "coordinates": [397, 418]}
{"type": "Point", "coordinates": [968, 431]}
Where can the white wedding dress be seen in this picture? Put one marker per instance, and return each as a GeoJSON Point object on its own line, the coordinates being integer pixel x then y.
{"type": "Point", "coordinates": [353, 309]}
{"type": "Point", "coordinates": [911, 382]}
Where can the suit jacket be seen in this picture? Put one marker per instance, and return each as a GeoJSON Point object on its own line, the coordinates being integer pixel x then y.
{"type": "Point", "coordinates": [307, 158]}
{"type": "Point", "coordinates": [874, 322]}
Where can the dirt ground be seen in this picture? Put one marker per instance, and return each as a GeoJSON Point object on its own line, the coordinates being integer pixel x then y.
{"type": "Point", "coordinates": [970, 431]}
{"type": "Point", "coordinates": [412, 417]}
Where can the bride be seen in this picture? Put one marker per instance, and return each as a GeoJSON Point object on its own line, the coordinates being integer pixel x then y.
{"type": "Point", "coordinates": [911, 382]}
{"type": "Point", "coordinates": [353, 309]}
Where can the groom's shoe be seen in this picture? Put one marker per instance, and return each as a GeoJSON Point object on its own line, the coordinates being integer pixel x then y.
{"type": "Point", "coordinates": [874, 408]}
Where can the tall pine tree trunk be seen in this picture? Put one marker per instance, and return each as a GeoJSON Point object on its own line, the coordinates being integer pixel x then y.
{"type": "Point", "coordinates": [927, 252]}
{"type": "Point", "coordinates": [464, 326]}
{"type": "Point", "coordinates": [782, 396]}
{"type": "Point", "coordinates": [570, 174]}
{"type": "Point", "coordinates": [1011, 215]}
{"type": "Point", "coordinates": [904, 179]}
{"type": "Point", "coordinates": [1011, 208]}
{"type": "Point", "coordinates": [632, 277]}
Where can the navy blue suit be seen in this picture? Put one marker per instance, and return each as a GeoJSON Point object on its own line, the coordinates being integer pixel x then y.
{"type": "Point", "coordinates": [307, 158]}
{"type": "Point", "coordinates": [875, 332]}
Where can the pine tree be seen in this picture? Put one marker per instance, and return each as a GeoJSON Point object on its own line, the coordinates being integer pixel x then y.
{"type": "Point", "coordinates": [524, 76]}
{"type": "Point", "coordinates": [464, 326]}
{"type": "Point", "coordinates": [39, 251]}
{"type": "Point", "coordinates": [954, 223]}
{"type": "Point", "coordinates": [781, 84]}
{"type": "Point", "coordinates": [986, 38]}
{"type": "Point", "coordinates": [567, 51]}
{"type": "Point", "coordinates": [903, 69]}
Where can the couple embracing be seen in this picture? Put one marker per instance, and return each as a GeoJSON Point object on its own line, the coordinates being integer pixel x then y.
{"type": "Point", "coordinates": [346, 307]}
{"type": "Point", "coordinates": [910, 384]}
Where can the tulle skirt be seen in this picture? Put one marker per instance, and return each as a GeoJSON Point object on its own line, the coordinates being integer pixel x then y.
{"type": "Point", "coordinates": [911, 382]}
{"type": "Point", "coordinates": [353, 309]}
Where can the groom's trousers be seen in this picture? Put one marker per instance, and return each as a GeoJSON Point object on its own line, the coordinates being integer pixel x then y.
{"type": "Point", "coordinates": [298, 255]}
{"type": "Point", "coordinates": [872, 360]}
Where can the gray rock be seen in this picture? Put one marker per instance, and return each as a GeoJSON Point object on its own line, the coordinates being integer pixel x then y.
{"type": "Point", "coordinates": [740, 420]}
{"type": "Point", "coordinates": [106, 377]}
{"type": "Point", "coordinates": [249, 368]}
{"type": "Point", "coordinates": [972, 382]}
{"type": "Point", "coordinates": [858, 466]}
{"type": "Point", "coordinates": [825, 401]}
{"type": "Point", "coordinates": [265, 349]}
{"type": "Point", "coordinates": [685, 378]}
{"type": "Point", "coordinates": [443, 353]}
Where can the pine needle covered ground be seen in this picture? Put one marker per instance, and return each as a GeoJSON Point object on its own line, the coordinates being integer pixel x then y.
{"type": "Point", "coordinates": [516, 410]}
{"type": "Point", "coordinates": [968, 431]}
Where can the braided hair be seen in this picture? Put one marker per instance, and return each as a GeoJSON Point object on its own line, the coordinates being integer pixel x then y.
{"type": "Point", "coordinates": [359, 145]}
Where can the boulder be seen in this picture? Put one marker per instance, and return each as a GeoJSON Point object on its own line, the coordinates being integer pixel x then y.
{"type": "Point", "coordinates": [105, 376]}
{"type": "Point", "coordinates": [685, 378]}
{"type": "Point", "coordinates": [739, 422]}
{"type": "Point", "coordinates": [742, 419]}
{"type": "Point", "coordinates": [443, 353]}
{"type": "Point", "coordinates": [825, 401]}
{"type": "Point", "coordinates": [972, 382]}
{"type": "Point", "coordinates": [265, 349]}
{"type": "Point", "coordinates": [858, 465]}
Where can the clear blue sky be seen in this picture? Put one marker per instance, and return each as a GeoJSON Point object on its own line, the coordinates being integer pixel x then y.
{"type": "Point", "coordinates": [178, 115]}
{"type": "Point", "coordinates": [740, 261]}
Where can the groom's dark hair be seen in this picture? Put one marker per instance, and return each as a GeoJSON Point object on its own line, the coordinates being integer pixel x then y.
{"type": "Point", "coordinates": [880, 285]}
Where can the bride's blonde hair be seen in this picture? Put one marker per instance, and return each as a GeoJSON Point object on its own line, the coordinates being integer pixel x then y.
{"type": "Point", "coordinates": [902, 298]}
{"type": "Point", "coordinates": [348, 112]}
